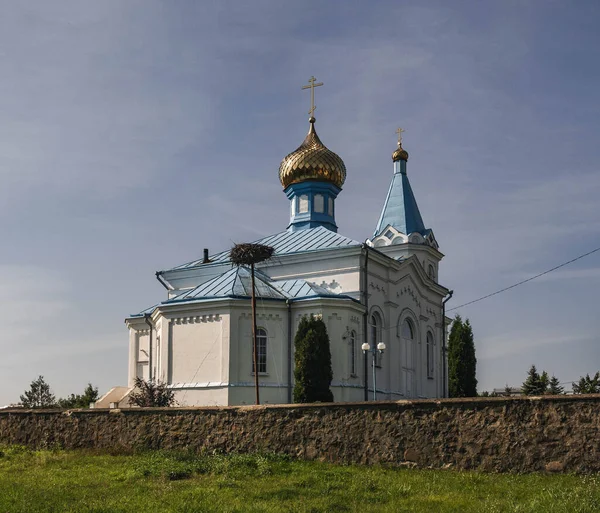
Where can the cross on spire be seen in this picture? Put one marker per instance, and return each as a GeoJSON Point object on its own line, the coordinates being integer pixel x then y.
{"type": "Point", "coordinates": [311, 85]}
{"type": "Point", "coordinates": [399, 132]}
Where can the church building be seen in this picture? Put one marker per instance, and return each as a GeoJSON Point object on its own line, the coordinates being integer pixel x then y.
{"type": "Point", "coordinates": [380, 300]}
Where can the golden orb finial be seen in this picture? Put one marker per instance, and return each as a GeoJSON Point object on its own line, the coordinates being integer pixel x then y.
{"type": "Point", "coordinates": [312, 161]}
{"type": "Point", "coordinates": [400, 153]}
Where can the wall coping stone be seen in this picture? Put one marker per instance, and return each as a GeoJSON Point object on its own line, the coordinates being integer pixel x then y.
{"type": "Point", "coordinates": [405, 404]}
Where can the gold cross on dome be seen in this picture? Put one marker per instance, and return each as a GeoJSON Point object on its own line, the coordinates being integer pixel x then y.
{"type": "Point", "coordinates": [311, 85]}
{"type": "Point", "coordinates": [399, 132]}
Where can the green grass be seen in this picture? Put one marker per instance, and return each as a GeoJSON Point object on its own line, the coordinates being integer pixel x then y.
{"type": "Point", "coordinates": [86, 481]}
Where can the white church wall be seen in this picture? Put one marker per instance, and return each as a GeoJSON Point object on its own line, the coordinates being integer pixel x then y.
{"type": "Point", "coordinates": [138, 354]}
{"type": "Point", "coordinates": [271, 317]}
{"type": "Point", "coordinates": [203, 396]}
{"type": "Point", "coordinates": [398, 294]}
{"type": "Point", "coordinates": [189, 278]}
{"type": "Point", "coordinates": [198, 349]}
{"type": "Point", "coordinates": [337, 272]}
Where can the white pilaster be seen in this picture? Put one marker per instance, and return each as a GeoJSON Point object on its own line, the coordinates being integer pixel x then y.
{"type": "Point", "coordinates": [133, 354]}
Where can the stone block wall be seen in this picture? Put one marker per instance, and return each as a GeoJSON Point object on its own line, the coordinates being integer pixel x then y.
{"type": "Point", "coordinates": [560, 433]}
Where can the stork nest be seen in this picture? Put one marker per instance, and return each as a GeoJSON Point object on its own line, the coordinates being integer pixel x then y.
{"type": "Point", "coordinates": [248, 254]}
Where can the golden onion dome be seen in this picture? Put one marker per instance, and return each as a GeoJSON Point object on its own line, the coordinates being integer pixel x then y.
{"type": "Point", "coordinates": [400, 153]}
{"type": "Point", "coordinates": [312, 161]}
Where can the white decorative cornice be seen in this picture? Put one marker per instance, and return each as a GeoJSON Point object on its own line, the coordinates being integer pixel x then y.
{"type": "Point", "coordinates": [261, 316]}
{"type": "Point", "coordinates": [196, 319]}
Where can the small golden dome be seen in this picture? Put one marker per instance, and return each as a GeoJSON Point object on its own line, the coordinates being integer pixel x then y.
{"type": "Point", "coordinates": [400, 154]}
{"type": "Point", "coordinates": [312, 161]}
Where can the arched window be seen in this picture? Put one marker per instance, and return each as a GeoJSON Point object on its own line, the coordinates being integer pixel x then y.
{"type": "Point", "coordinates": [407, 330]}
{"type": "Point", "coordinates": [408, 355]}
{"type": "Point", "coordinates": [376, 325]}
{"type": "Point", "coordinates": [408, 337]}
{"type": "Point", "coordinates": [429, 354]}
{"type": "Point", "coordinates": [261, 346]}
{"type": "Point", "coordinates": [431, 272]}
{"type": "Point", "coordinates": [303, 204]}
{"type": "Point", "coordinates": [353, 353]}
{"type": "Point", "coordinates": [319, 203]}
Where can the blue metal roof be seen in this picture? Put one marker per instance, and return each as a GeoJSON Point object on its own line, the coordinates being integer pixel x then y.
{"type": "Point", "coordinates": [237, 284]}
{"type": "Point", "coordinates": [287, 242]}
{"type": "Point", "coordinates": [400, 209]}
{"type": "Point", "coordinates": [296, 289]}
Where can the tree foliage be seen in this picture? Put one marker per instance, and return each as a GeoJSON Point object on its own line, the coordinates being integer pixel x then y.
{"type": "Point", "coordinates": [587, 385]}
{"type": "Point", "coordinates": [540, 384]}
{"type": "Point", "coordinates": [151, 394]}
{"type": "Point", "coordinates": [90, 395]}
{"type": "Point", "coordinates": [39, 395]}
{"type": "Point", "coordinates": [554, 387]}
{"type": "Point", "coordinates": [312, 372]}
{"type": "Point", "coordinates": [462, 364]}
{"type": "Point", "coordinates": [536, 383]}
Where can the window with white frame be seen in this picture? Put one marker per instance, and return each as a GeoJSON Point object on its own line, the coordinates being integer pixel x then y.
{"type": "Point", "coordinates": [319, 203]}
{"type": "Point", "coordinates": [353, 353]}
{"type": "Point", "coordinates": [376, 324]}
{"type": "Point", "coordinates": [303, 204]}
{"type": "Point", "coordinates": [429, 354]}
{"type": "Point", "coordinates": [261, 347]}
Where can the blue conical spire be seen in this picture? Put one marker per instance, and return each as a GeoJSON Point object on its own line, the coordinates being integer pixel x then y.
{"type": "Point", "coordinates": [400, 209]}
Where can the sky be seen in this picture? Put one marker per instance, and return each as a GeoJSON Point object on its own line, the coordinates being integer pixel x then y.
{"type": "Point", "coordinates": [133, 134]}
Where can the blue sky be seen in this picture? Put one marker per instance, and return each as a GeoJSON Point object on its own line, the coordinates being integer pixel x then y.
{"type": "Point", "coordinates": [135, 133]}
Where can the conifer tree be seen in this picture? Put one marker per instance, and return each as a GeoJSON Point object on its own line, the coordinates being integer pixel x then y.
{"type": "Point", "coordinates": [544, 382]}
{"type": "Point", "coordinates": [312, 372]}
{"type": "Point", "coordinates": [554, 387]}
{"type": "Point", "coordinates": [462, 364]}
{"type": "Point", "coordinates": [532, 382]}
{"type": "Point", "coordinates": [535, 384]}
{"type": "Point", "coordinates": [587, 385]}
{"type": "Point", "coordinates": [39, 395]}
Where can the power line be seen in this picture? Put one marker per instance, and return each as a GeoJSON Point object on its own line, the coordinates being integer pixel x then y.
{"type": "Point", "coordinates": [525, 281]}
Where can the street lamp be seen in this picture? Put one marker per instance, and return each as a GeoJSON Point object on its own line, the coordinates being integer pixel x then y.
{"type": "Point", "coordinates": [374, 350]}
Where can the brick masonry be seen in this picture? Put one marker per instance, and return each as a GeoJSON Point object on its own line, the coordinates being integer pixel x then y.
{"type": "Point", "coordinates": [560, 433]}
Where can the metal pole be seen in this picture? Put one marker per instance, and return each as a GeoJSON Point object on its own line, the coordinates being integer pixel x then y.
{"type": "Point", "coordinates": [444, 348]}
{"type": "Point", "coordinates": [364, 283]}
{"type": "Point", "coordinates": [254, 346]}
{"type": "Point", "coordinates": [374, 377]}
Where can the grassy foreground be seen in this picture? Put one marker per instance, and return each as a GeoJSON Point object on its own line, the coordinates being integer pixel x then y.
{"type": "Point", "coordinates": [84, 481]}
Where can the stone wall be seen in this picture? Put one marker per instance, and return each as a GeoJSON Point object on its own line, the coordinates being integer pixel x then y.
{"type": "Point", "coordinates": [490, 434]}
